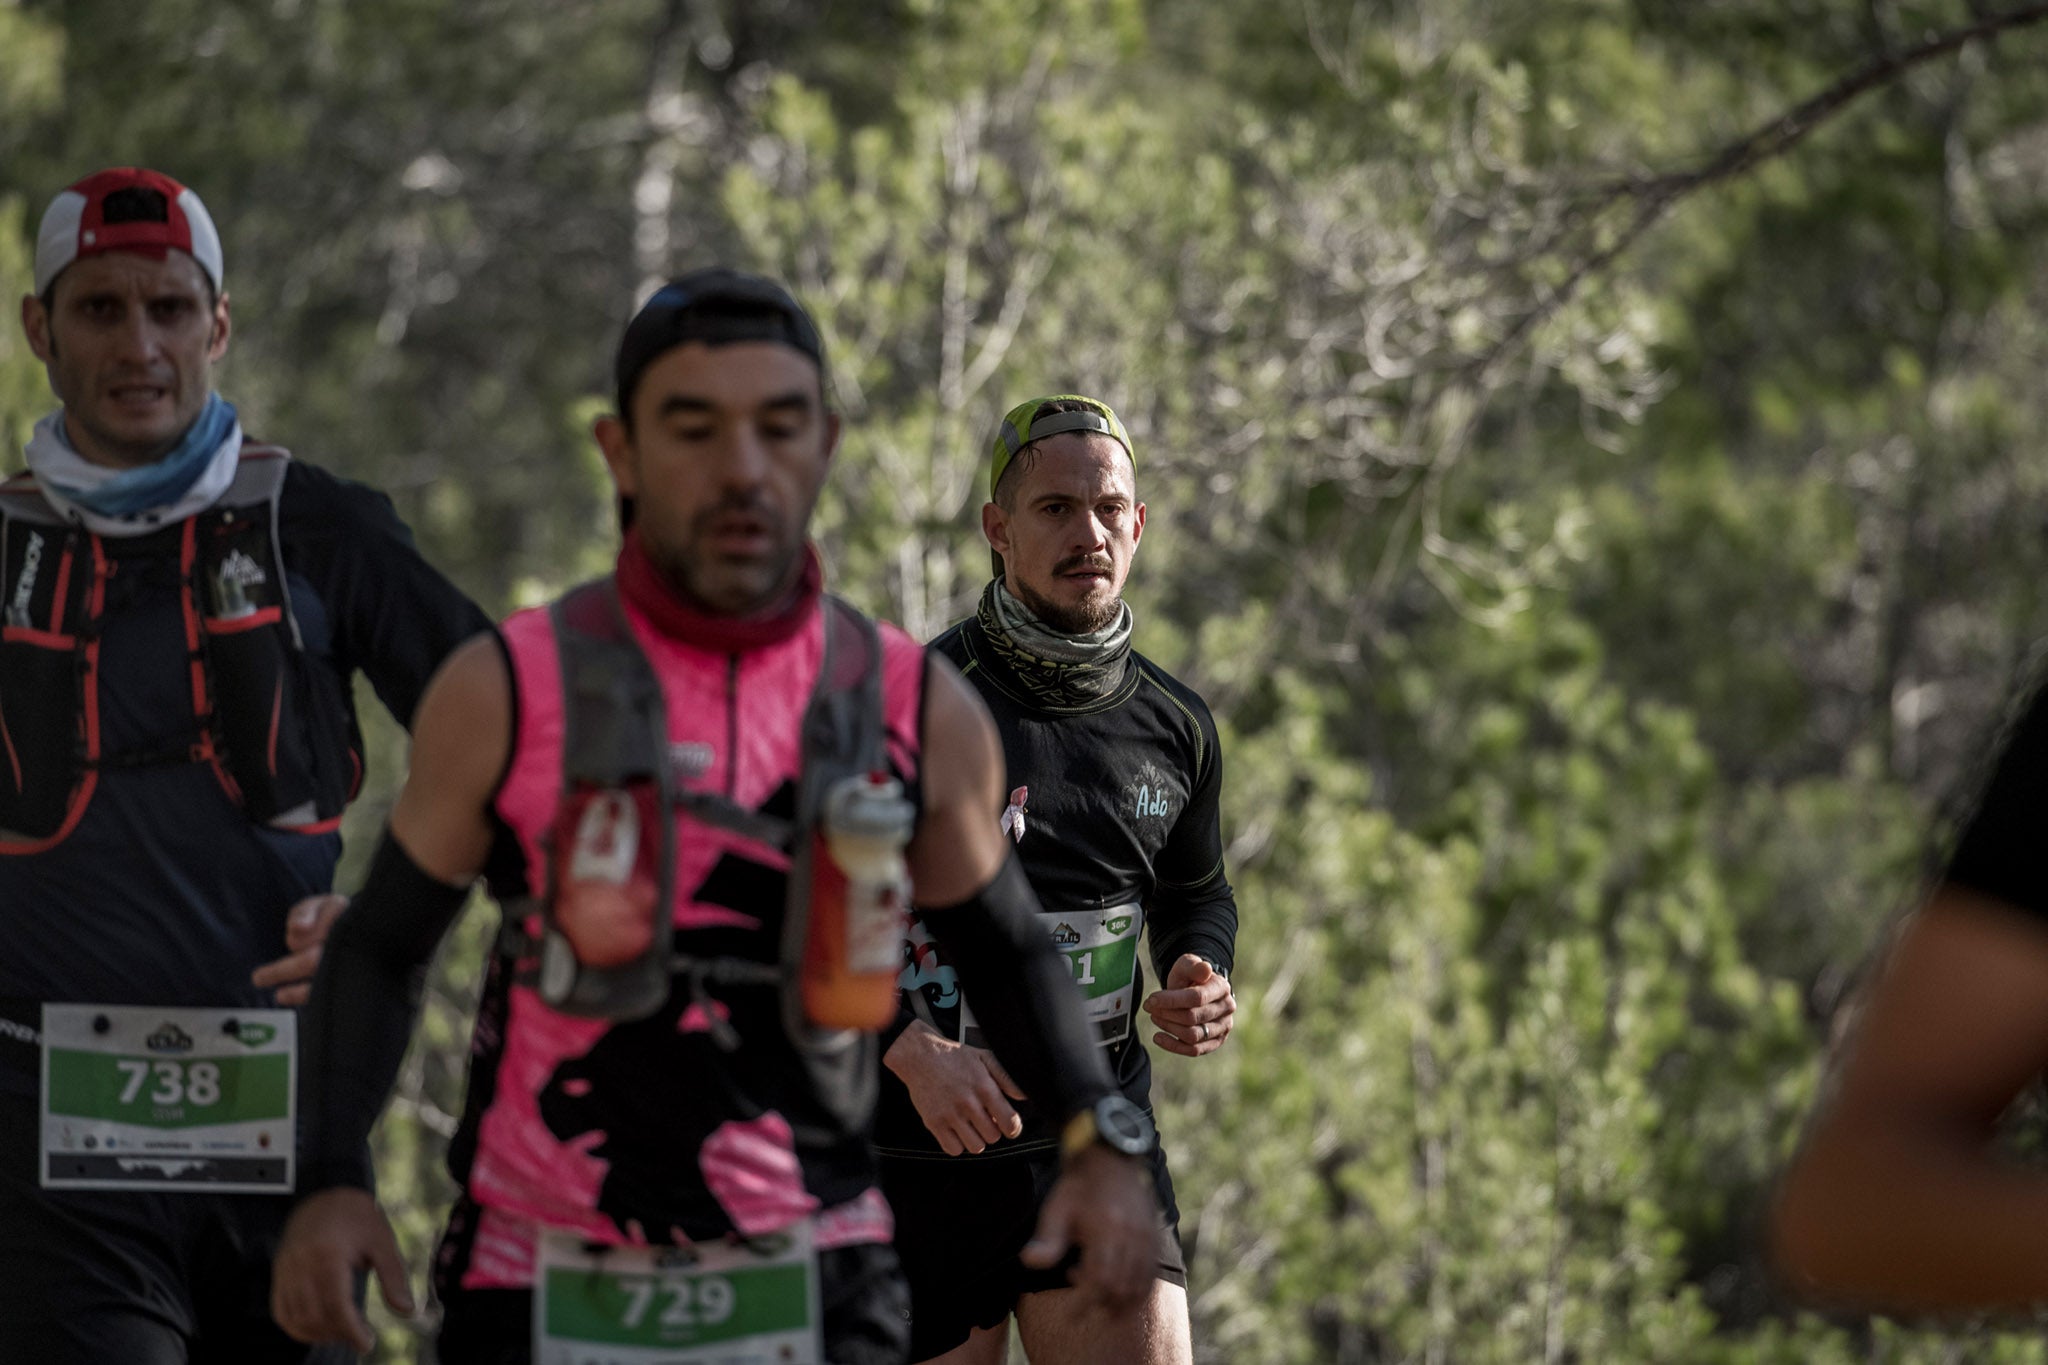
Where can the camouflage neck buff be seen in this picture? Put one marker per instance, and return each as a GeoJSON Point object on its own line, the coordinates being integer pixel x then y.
{"type": "Point", "coordinates": [1060, 670]}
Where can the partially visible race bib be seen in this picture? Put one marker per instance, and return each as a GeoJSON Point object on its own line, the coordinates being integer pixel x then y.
{"type": "Point", "coordinates": [1101, 949]}
{"type": "Point", "coordinates": [709, 1305]}
{"type": "Point", "coordinates": [140, 1098]}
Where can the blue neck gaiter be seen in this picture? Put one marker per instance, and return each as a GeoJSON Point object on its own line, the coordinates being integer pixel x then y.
{"type": "Point", "coordinates": [164, 482]}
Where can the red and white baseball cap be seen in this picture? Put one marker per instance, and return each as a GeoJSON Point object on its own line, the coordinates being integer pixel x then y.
{"type": "Point", "coordinates": [126, 208]}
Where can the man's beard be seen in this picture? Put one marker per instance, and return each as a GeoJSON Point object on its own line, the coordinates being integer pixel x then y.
{"type": "Point", "coordinates": [1082, 618]}
{"type": "Point", "coordinates": [693, 575]}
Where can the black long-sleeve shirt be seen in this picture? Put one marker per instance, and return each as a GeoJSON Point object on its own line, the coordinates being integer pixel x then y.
{"type": "Point", "coordinates": [1120, 809]}
{"type": "Point", "coordinates": [165, 892]}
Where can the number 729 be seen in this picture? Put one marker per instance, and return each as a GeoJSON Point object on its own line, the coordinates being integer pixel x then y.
{"type": "Point", "coordinates": [707, 1301]}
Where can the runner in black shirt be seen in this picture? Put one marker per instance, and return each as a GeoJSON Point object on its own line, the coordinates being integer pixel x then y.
{"type": "Point", "coordinates": [182, 614]}
{"type": "Point", "coordinates": [1900, 1199]}
{"type": "Point", "coordinates": [1114, 778]}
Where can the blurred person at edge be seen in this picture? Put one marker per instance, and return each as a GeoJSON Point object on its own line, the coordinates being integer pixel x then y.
{"type": "Point", "coordinates": [1898, 1199]}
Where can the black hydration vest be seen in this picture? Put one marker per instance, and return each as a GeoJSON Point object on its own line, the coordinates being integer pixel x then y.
{"type": "Point", "coordinates": [271, 721]}
{"type": "Point", "coordinates": [615, 737]}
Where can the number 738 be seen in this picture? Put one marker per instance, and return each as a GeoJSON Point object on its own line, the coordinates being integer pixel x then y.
{"type": "Point", "coordinates": [176, 1082]}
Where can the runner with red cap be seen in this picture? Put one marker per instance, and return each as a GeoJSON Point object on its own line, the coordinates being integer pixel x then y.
{"type": "Point", "coordinates": [126, 209]}
{"type": "Point", "coordinates": [182, 610]}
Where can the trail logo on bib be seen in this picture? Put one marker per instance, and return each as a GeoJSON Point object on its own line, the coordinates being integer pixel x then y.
{"type": "Point", "coordinates": [168, 1038]}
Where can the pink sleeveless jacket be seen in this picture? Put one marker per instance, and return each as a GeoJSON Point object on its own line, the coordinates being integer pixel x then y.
{"type": "Point", "coordinates": [648, 1131]}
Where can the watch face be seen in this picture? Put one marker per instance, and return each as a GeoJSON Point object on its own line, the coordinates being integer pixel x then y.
{"type": "Point", "coordinates": [1123, 1125]}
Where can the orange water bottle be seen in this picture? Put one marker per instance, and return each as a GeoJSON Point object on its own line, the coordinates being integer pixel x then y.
{"type": "Point", "coordinates": [860, 898]}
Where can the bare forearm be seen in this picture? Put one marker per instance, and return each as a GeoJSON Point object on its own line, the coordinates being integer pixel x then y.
{"type": "Point", "coordinates": [1880, 1213]}
{"type": "Point", "coordinates": [1900, 1197]}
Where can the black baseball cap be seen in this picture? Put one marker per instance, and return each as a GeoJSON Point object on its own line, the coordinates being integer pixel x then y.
{"type": "Point", "coordinates": [715, 305]}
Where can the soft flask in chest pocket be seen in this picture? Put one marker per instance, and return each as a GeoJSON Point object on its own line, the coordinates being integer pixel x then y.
{"type": "Point", "coordinates": [606, 901]}
{"type": "Point", "coordinates": [605, 947]}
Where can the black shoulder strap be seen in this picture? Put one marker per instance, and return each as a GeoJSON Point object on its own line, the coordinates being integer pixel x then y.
{"type": "Point", "coordinates": [259, 478]}
{"type": "Point", "coordinates": [843, 721]}
{"type": "Point", "coordinates": [614, 734]}
{"type": "Point", "coordinates": [614, 722]}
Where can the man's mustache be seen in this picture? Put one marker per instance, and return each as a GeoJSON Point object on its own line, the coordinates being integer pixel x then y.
{"type": "Point", "coordinates": [750, 506]}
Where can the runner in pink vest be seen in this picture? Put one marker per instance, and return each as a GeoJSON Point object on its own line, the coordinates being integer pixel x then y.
{"type": "Point", "coordinates": [704, 791]}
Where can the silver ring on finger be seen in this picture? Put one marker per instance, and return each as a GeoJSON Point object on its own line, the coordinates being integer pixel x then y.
{"type": "Point", "coordinates": [1205, 1034]}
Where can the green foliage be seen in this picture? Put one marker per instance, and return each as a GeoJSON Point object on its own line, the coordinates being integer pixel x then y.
{"type": "Point", "coordinates": [30, 52]}
{"type": "Point", "coordinates": [1595, 639]}
{"type": "Point", "coordinates": [24, 393]}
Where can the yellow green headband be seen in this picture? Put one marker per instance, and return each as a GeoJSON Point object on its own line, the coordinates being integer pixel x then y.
{"type": "Point", "coordinates": [1017, 430]}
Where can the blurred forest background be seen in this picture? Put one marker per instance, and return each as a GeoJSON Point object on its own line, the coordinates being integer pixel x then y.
{"type": "Point", "coordinates": [1594, 458]}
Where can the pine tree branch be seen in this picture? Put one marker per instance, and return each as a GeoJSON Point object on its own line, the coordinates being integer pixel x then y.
{"type": "Point", "coordinates": [1657, 195]}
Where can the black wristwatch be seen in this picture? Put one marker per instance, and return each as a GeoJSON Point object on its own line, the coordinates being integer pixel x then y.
{"type": "Point", "coordinates": [1114, 1122]}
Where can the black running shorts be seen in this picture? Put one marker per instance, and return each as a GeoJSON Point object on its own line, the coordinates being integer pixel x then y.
{"type": "Point", "coordinates": [180, 1278]}
{"type": "Point", "coordinates": [960, 1224]}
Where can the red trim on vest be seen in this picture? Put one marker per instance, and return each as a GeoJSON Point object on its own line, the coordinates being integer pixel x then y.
{"type": "Point", "coordinates": [13, 758]}
{"type": "Point", "coordinates": [202, 703]}
{"type": "Point", "coordinates": [267, 616]}
{"type": "Point", "coordinates": [327, 826]}
{"type": "Point", "coordinates": [95, 608]}
{"type": "Point", "coordinates": [29, 635]}
{"type": "Point", "coordinates": [90, 682]}
{"type": "Point", "coordinates": [63, 583]}
{"type": "Point", "coordinates": [200, 632]}
{"type": "Point", "coordinates": [188, 553]}
{"type": "Point", "coordinates": [276, 709]}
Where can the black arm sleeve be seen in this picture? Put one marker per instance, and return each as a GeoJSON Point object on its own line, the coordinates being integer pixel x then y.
{"type": "Point", "coordinates": [1193, 909]}
{"type": "Point", "coordinates": [394, 615]}
{"type": "Point", "coordinates": [1023, 992]}
{"type": "Point", "coordinates": [1202, 922]}
{"type": "Point", "coordinates": [360, 1018]}
{"type": "Point", "coordinates": [894, 1029]}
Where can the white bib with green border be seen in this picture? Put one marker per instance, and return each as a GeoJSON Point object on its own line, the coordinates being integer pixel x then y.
{"type": "Point", "coordinates": [704, 1305]}
{"type": "Point", "coordinates": [1101, 949]}
{"type": "Point", "coordinates": [145, 1098]}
